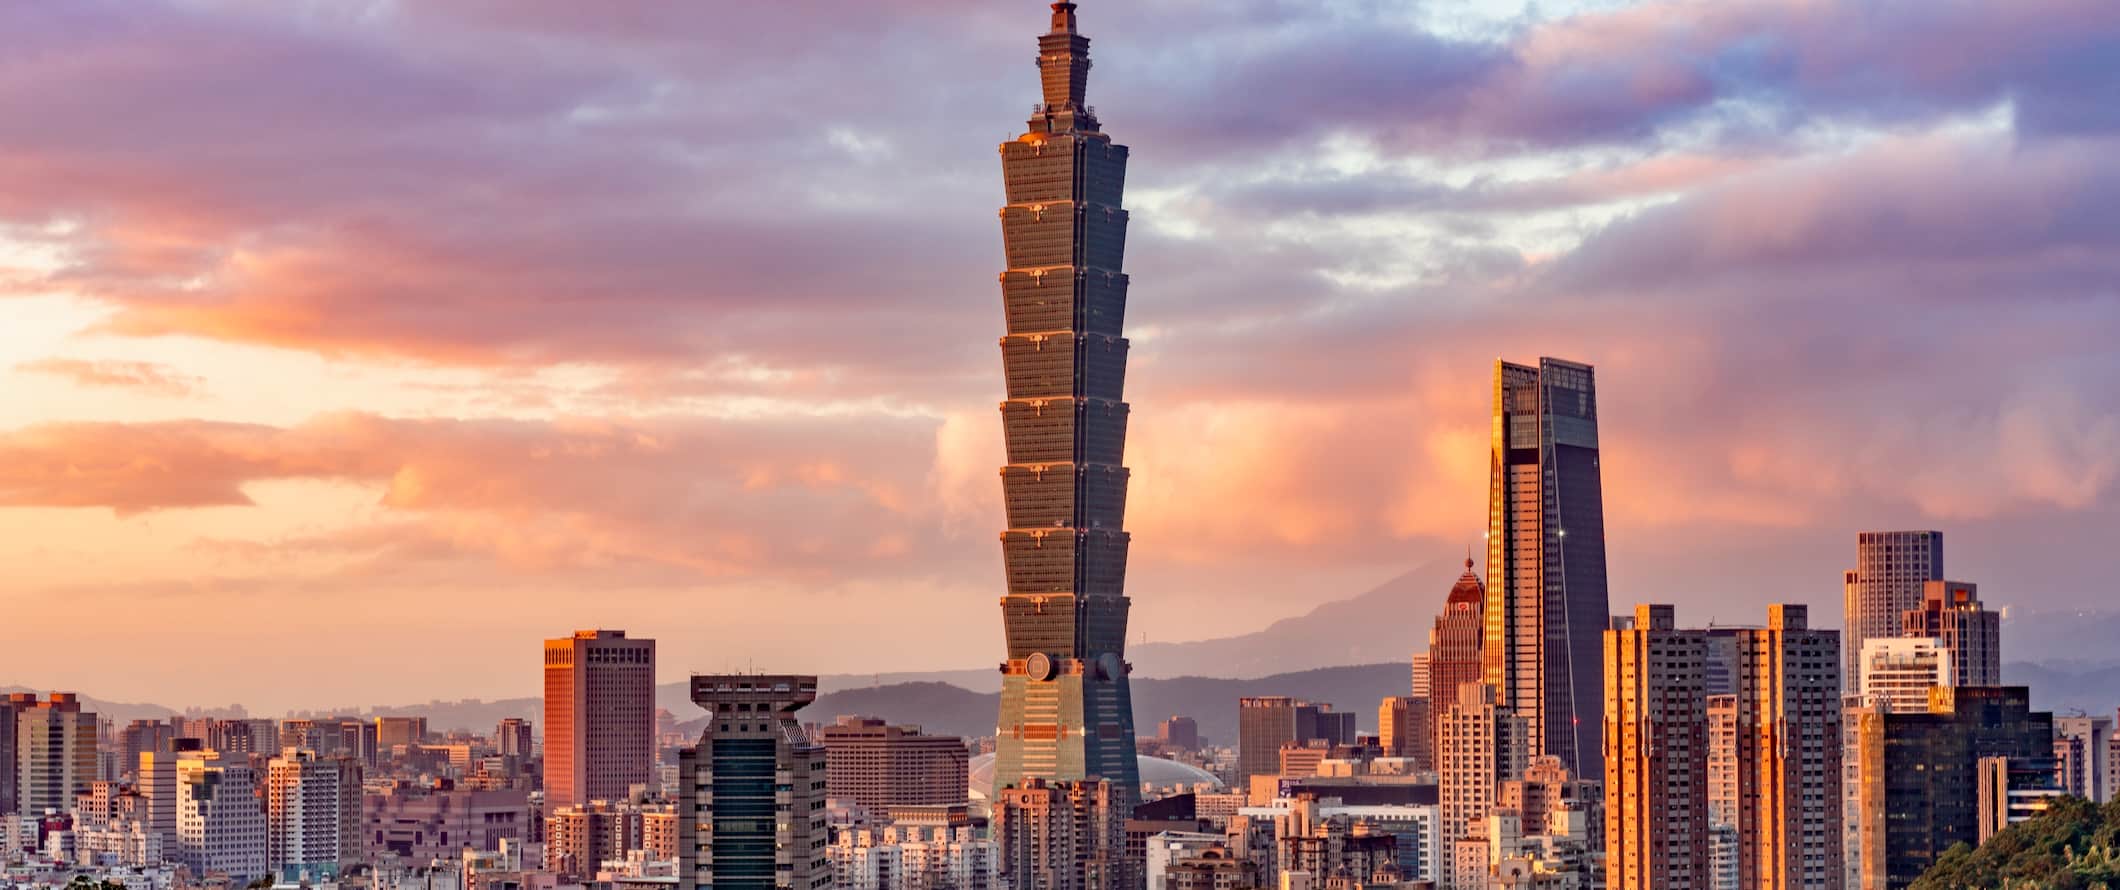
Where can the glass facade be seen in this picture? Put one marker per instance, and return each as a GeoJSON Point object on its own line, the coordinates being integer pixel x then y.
{"type": "Point", "coordinates": [1066, 707]}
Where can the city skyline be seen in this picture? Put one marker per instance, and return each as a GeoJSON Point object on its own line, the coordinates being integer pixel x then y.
{"type": "Point", "coordinates": [439, 350]}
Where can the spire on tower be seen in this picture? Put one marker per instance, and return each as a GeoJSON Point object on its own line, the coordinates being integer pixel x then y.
{"type": "Point", "coordinates": [1064, 17]}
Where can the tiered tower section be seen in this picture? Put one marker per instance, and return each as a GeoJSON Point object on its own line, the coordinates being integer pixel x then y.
{"type": "Point", "coordinates": [1066, 712]}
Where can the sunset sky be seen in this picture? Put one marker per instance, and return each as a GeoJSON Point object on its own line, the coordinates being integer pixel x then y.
{"type": "Point", "coordinates": [350, 348]}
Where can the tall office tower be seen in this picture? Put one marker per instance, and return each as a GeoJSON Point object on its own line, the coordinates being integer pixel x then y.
{"type": "Point", "coordinates": [1403, 729]}
{"type": "Point", "coordinates": [391, 732]}
{"type": "Point", "coordinates": [1423, 673]}
{"type": "Point", "coordinates": [2089, 742]}
{"type": "Point", "coordinates": [157, 782]}
{"type": "Point", "coordinates": [514, 737]}
{"type": "Point", "coordinates": [1265, 723]}
{"type": "Point", "coordinates": [303, 806]}
{"type": "Point", "coordinates": [221, 823]}
{"type": "Point", "coordinates": [599, 716]}
{"type": "Point", "coordinates": [1787, 752]}
{"type": "Point", "coordinates": [1479, 746]}
{"type": "Point", "coordinates": [1546, 601]}
{"type": "Point", "coordinates": [1920, 789]}
{"type": "Point", "coordinates": [1061, 835]}
{"type": "Point", "coordinates": [728, 834]}
{"type": "Point", "coordinates": [55, 752]}
{"type": "Point", "coordinates": [1656, 819]}
{"type": "Point", "coordinates": [1898, 672]}
{"type": "Point", "coordinates": [1950, 611]}
{"type": "Point", "coordinates": [879, 766]}
{"type": "Point", "coordinates": [1182, 733]}
{"type": "Point", "coordinates": [1891, 569]}
{"type": "Point", "coordinates": [1719, 662]}
{"type": "Point", "coordinates": [1066, 709]}
{"type": "Point", "coordinates": [1454, 643]}
{"type": "Point", "coordinates": [9, 708]}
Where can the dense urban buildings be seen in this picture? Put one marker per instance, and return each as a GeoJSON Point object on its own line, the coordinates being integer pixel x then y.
{"type": "Point", "coordinates": [1405, 728]}
{"type": "Point", "coordinates": [1066, 709]}
{"type": "Point", "coordinates": [751, 794]}
{"type": "Point", "coordinates": [1656, 820]}
{"type": "Point", "coordinates": [1546, 597]}
{"type": "Point", "coordinates": [1891, 571]}
{"type": "Point", "coordinates": [424, 823]}
{"type": "Point", "coordinates": [54, 751]}
{"type": "Point", "coordinates": [1951, 613]}
{"type": "Point", "coordinates": [599, 716]}
{"type": "Point", "coordinates": [878, 766]}
{"type": "Point", "coordinates": [1920, 774]}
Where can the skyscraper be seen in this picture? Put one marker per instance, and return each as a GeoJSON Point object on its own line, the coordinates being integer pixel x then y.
{"type": "Point", "coordinates": [55, 752]}
{"type": "Point", "coordinates": [1891, 568]}
{"type": "Point", "coordinates": [221, 822]}
{"type": "Point", "coordinates": [1656, 726]}
{"type": "Point", "coordinates": [735, 831]}
{"type": "Point", "coordinates": [1454, 644]}
{"type": "Point", "coordinates": [1405, 728]}
{"type": "Point", "coordinates": [1911, 816]}
{"type": "Point", "coordinates": [9, 709]}
{"type": "Point", "coordinates": [1267, 722]}
{"type": "Point", "coordinates": [1783, 749]}
{"type": "Point", "coordinates": [1951, 612]}
{"type": "Point", "coordinates": [513, 737]}
{"type": "Point", "coordinates": [599, 716]}
{"type": "Point", "coordinates": [1061, 835]}
{"type": "Point", "coordinates": [1066, 708]}
{"type": "Point", "coordinates": [1546, 599]}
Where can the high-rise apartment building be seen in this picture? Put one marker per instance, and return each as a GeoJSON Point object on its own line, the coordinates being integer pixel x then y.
{"type": "Point", "coordinates": [221, 824]}
{"type": "Point", "coordinates": [1454, 644]}
{"type": "Point", "coordinates": [1920, 784]}
{"type": "Point", "coordinates": [1656, 819]}
{"type": "Point", "coordinates": [1404, 729]}
{"type": "Point", "coordinates": [1066, 705]}
{"type": "Point", "coordinates": [1725, 861]}
{"type": "Point", "coordinates": [1546, 598]}
{"type": "Point", "coordinates": [751, 794]}
{"type": "Point", "coordinates": [2081, 747]}
{"type": "Point", "coordinates": [1783, 750]}
{"type": "Point", "coordinates": [55, 752]}
{"type": "Point", "coordinates": [579, 839]}
{"type": "Point", "coordinates": [1061, 835]}
{"type": "Point", "coordinates": [878, 766]}
{"type": "Point", "coordinates": [599, 716]}
{"type": "Point", "coordinates": [1898, 672]}
{"type": "Point", "coordinates": [1479, 745]}
{"type": "Point", "coordinates": [304, 809]}
{"type": "Point", "coordinates": [514, 737]}
{"type": "Point", "coordinates": [1891, 570]}
{"type": "Point", "coordinates": [1951, 613]}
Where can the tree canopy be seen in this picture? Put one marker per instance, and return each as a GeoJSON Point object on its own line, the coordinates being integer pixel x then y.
{"type": "Point", "coordinates": [2072, 846]}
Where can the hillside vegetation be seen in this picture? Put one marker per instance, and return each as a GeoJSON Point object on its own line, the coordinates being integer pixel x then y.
{"type": "Point", "coordinates": [2069, 847]}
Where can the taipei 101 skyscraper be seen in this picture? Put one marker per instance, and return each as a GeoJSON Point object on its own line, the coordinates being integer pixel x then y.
{"type": "Point", "coordinates": [1066, 712]}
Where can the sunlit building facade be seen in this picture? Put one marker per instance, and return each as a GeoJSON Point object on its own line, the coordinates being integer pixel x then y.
{"type": "Point", "coordinates": [1891, 570]}
{"type": "Point", "coordinates": [1547, 605]}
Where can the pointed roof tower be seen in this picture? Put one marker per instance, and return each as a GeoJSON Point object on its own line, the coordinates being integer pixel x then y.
{"type": "Point", "coordinates": [1063, 66]}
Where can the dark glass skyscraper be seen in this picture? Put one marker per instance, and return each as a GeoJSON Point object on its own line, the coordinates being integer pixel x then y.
{"type": "Point", "coordinates": [1066, 712]}
{"type": "Point", "coordinates": [1547, 607]}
